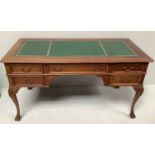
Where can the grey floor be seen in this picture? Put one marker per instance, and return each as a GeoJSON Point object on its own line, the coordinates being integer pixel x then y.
{"type": "Point", "coordinates": [78, 105]}
{"type": "Point", "coordinates": [83, 104]}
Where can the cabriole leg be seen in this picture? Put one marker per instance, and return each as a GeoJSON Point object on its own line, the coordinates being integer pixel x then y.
{"type": "Point", "coordinates": [12, 93]}
{"type": "Point", "coordinates": [139, 90]}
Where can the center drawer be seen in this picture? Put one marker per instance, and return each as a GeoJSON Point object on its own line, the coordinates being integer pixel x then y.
{"type": "Point", "coordinates": [75, 68]}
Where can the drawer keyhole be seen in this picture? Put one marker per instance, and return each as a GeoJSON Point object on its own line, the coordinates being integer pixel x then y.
{"type": "Point", "coordinates": [132, 67]}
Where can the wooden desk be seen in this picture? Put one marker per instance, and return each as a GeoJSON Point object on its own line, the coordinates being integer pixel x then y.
{"type": "Point", "coordinates": [36, 62]}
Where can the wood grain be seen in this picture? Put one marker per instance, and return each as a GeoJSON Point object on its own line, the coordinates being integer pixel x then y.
{"type": "Point", "coordinates": [40, 71]}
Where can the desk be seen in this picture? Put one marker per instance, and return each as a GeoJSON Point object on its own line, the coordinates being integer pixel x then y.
{"type": "Point", "coordinates": [36, 62]}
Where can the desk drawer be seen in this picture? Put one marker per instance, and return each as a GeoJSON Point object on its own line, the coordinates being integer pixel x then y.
{"type": "Point", "coordinates": [129, 67]}
{"type": "Point", "coordinates": [24, 68]}
{"type": "Point", "coordinates": [76, 68]}
{"type": "Point", "coordinates": [126, 79]}
{"type": "Point", "coordinates": [26, 81]}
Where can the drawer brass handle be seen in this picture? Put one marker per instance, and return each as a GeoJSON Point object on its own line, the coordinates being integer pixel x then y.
{"type": "Point", "coordinates": [127, 69]}
{"type": "Point", "coordinates": [125, 81]}
{"type": "Point", "coordinates": [26, 70]}
{"type": "Point", "coordinates": [28, 82]}
{"type": "Point", "coordinates": [58, 69]}
{"type": "Point", "coordinates": [99, 69]}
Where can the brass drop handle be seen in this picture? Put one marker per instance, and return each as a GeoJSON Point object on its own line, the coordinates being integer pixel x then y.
{"type": "Point", "coordinates": [28, 82]}
{"type": "Point", "coordinates": [99, 69]}
{"type": "Point", "coordinates": [125, 81]}
{"type": "Point", "coordinates": [126, 69]}
{"type": "Point", "coordinates": [27, 70]}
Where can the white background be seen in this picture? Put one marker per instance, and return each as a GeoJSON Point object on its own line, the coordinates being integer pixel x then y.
{"type": "Point", "coordinates": [79, 15]}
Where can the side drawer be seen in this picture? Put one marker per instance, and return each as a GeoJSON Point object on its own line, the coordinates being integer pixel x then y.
{"type": "Point", "coordinates": [24, 68]}
{"type": "Point", "coordinates": [26, 80]}
{"type": "Point", "coordinates": [126, 79]}
{"type": "Point", "coordinates": [128, 67]}
{"type": "Point", "coordinates": [75, 68]}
